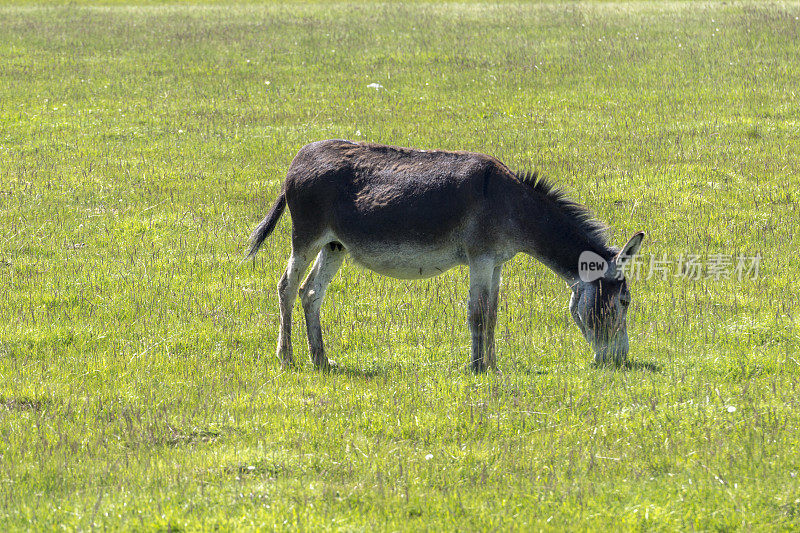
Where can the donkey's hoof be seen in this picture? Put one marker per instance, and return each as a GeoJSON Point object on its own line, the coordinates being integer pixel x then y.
{"type": "Point", "coordinates": [326, 365]}
{"type": "Point", "coordinates": [490, 367]}
{"type": "Point", "coordinates": [474, 368]}
{"type": "Point", "coordinates": [286, 362]}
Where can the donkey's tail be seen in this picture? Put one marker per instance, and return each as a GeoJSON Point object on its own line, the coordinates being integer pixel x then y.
{"type": "Point", "coordinates": [267, 225]}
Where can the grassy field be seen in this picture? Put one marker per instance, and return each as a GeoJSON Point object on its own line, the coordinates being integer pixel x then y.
{"type": "Point", "coordinates": [139, 145]}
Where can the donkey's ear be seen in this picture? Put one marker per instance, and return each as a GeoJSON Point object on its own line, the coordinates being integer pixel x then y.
{"type": "Point", "coordinates": [630, 249]}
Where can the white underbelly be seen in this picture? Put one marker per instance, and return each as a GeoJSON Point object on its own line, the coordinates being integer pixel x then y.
{"type": "Point", "coordinates": [407, 262]}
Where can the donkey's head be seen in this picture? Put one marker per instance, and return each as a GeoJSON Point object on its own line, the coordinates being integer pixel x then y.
{"type": "Point", "coordinates": [599, 304]}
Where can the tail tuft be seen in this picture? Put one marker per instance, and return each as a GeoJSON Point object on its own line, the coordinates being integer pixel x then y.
{"type": "Point", "coordinates": [266, 227]}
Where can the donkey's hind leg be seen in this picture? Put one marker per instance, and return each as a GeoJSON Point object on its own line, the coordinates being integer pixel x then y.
{"type": "Point", "coordinates": [311, 294]}
{"type": "Point", "coordinates": [287, 293]}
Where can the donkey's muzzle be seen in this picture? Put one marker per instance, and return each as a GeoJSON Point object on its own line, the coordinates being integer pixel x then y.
{"type": "Point", "coordinates": [615, 351]}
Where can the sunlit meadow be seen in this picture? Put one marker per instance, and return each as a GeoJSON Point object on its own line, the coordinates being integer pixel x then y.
{"type": "Point", "coordinates": [140, 144]}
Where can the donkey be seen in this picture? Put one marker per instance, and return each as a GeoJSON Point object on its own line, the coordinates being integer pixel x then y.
{"type": "Point", "coordinates": [412, 214]}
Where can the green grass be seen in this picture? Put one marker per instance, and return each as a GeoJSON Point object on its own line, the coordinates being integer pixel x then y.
{"type": "Point", "coordinates": [140, 144]}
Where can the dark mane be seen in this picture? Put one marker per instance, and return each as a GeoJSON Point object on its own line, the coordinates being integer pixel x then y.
{"type": "Point", "coordinates": [583, 218]}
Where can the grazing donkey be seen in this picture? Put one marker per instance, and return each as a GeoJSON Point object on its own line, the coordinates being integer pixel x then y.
{"type": "Point", "coordinates": [414, 214]}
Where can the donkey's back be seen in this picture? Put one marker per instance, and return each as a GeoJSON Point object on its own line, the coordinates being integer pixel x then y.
{"type": "Point", "coordinates": [368, 192]}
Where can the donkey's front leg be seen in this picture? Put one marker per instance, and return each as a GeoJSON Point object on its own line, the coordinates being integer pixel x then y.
{"type": "Point", "coordinates": [287, 293]}
{"type": "Point", "coordinates": [490, 355]}
{"type": "Point", "coordinates": [311, 294]}
{"type": "Point", "coordinates": [482, 309]}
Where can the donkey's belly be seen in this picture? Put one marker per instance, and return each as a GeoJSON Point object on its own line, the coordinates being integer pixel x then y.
{"type": "Point", "coordinates": [407, 261]}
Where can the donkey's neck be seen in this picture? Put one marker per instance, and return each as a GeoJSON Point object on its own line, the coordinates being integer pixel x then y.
{"type": "Point", "coordinates": [556, 230]}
